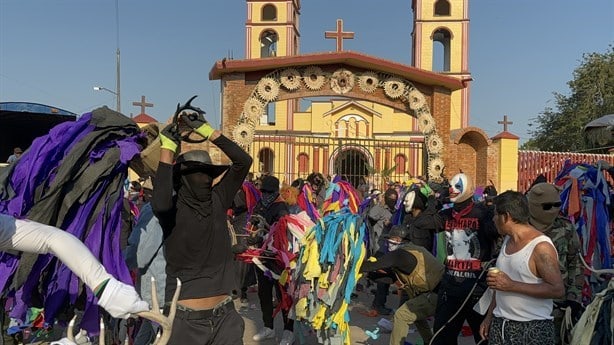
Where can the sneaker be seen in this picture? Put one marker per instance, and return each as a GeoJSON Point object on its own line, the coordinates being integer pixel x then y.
{"type": "Point", "coordinates": [265, 333]}
{"type": "Point", "coordinates": [287, 338]}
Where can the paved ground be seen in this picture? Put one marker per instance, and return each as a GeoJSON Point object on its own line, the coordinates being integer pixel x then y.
{"type": "Point", "coordinates": [359, 323]}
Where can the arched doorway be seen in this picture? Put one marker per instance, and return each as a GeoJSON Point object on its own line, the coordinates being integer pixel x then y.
{"type": "Point", "coordinates": [266, 160]}
{"type": "Point", "coordinates": [351, 164]}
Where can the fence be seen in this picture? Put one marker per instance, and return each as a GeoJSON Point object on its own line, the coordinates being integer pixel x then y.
{"type": "Point", "coordinates": [533, 163]}
{"type": "Point", "coordinates": [292, 156]}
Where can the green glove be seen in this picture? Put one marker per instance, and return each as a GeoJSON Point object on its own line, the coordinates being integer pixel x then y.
{"type": "Point", "coordinates": [169, 137]}
{"type": "Point", "coordinates": [198, 123]}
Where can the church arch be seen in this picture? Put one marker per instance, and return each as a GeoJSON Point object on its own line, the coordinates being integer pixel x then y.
{"type": "Point", "coordinates": [303, 163]}
{"type": "Point", "coordinates": [266, 160]}
{"type": "Point", "coordinates": [441, 8]}
{"type": "Point", "coordinates": [441, 38]}
{"type": "Point", "coordinates": [400, 162]}
{"type": "Point", "coordinates": [268, 43]}
{"type": "Point", "coordinates": [269, 12]}
{"type": "Point", "coordinates": [351, 162]}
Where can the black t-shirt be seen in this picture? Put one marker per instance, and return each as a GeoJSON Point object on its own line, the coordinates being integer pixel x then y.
{"type": "Point", "coordinates": [198, 251]}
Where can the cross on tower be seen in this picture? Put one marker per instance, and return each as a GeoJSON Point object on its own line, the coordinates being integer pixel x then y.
{"type": "Point", "coordinates": [142, 104]}
{"type": "Point", "coordinates": [339, 35]}
{"type": "Point", "coordinates": [505, 122]}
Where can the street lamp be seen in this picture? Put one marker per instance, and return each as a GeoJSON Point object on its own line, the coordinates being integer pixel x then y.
{"type": "Point", "coordinates": [101, 88]}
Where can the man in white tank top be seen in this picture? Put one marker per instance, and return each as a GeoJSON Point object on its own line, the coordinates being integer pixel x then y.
{"type": "Point", "coordinates": [527, 281]}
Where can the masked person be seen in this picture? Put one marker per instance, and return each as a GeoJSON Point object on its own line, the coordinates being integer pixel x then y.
{"type": "Point", "coordinates": [471, 237]}
{"type": "Point", "coordinates": [271, 207]}
{"type": "Point", "coordinates": [380, 217]}
{"type": "Point", "coordinates": [418, 273]}
{"type": "Point", "coordinates": [421, 218]}
{"type": "Point", "coordinates": [197, 246]}
{"type": "Point", "coordinates": [544, 207]}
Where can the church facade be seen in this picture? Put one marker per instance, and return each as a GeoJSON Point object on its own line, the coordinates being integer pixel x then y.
{"type": "Point", "coordinates": [353, 114]}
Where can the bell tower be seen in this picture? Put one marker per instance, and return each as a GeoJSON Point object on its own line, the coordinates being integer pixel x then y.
{"type": "Point", "coordinates": [440, 43]}
{"type": "Point", "coordinates": [272, 28]}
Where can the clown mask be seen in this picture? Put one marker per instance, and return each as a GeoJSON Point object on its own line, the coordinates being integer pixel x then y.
{"type": "Point", "coordinates": [461, 188]}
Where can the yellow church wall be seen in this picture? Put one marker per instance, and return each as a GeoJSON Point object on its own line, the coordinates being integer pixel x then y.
{"type": "Point", "coordinates": [455, 109]}
{"type": "Point", "coordinates": [302, 121]}
{"type": "Point", "coordinates": [508, 164]}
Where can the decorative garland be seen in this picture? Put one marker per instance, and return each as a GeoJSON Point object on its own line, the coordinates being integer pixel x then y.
{"type": "Point", "coordinates": [314, 78]}
{"type": "Point", "coordinates": [253, 109]}
{"type": "Point", "coordinates": [394, 87]}
{"type": "Point", "coordinates": [243, 134]}
{"type": "Point", "coordinates": [426, 123]}
{"type": "Point", "coordinates": [268, 89]}
{"type": "Point", "coordinates": [342, 81]}
{"type": "Point", "coordinates": [434, 144]}
{"type": "Point", "coordinates": [290, 79]}
{"type": "Point", "coordinates": [435, 169]}
{"type": "Point", "coordinates": [416, 99]}
{"type": "Point", "coordinates": [368, 81]}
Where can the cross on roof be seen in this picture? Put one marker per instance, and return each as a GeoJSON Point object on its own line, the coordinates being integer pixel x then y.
{"type": "Point", "coordinates": [505, 122]}
{"type": "Point", "coordinates": [339, 35]}
{"type": "Point", "coordinates": [142, 104]}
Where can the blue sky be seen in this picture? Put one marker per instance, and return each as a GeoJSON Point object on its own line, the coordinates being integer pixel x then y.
{"type": "Point", "coordinates": [54, 52]}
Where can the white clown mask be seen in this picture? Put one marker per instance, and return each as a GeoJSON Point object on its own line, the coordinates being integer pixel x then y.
{"type": "Point", "coordinates": [408, 201]}
{"type": "Point", "coordinates": [461, 188]}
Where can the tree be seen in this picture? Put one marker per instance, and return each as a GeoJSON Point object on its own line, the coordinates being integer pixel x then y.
{"type": "Point", "coordinates": [591, 96]}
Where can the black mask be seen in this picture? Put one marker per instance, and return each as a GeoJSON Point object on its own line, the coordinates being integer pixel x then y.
{"type": "Point", "coordinates": [199, 184]}
{"type": "Point", "coordinates": [391, 203]}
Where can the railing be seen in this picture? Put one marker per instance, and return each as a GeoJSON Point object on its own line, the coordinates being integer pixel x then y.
{"type": "Point", "coordinates": [533, 163]}
{"type": "Point", "coordinates": [289, 157]}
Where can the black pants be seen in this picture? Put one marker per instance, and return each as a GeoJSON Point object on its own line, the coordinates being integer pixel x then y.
{"type": "Point", "coordinates": [265, 294]}
{"type": "Point", "coordinates": [224, 328]}
{"type": "Point", "coordinates": [447, 306]}
{"type": "Point", "coordinates": [508, 332]}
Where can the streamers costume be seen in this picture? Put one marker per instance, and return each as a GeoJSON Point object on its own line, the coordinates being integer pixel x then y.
{"type": "Point", "coordinates": [71, 179]}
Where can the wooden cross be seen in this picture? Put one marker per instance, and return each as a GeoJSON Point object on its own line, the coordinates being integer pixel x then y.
{"type": "Point", "coordinates": [142, 104]}
{"type": "Point", "coordinates": [505, 122]}
{"type": "Point", "coordinates": [339, 35]}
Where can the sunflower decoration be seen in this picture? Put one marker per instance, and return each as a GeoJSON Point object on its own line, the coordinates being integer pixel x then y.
{"type": "Point", "coordinates": [314, 78]}
{"type": "Point", "coordinates": [253, 109]}
{"type": "Point", "coordinates": [243, 134]}
{"type": "Point", "coordinates": [268, 89]}
{"type": "Point", "coordinates": [436, 169]}
{"type": "Point", "coordinates": [368, 81]}
{"type": "Point", "coordinates": [394, 87]}
{"type": "Point", "coordinates": [434, 144]}
{"type": "Point", "coordinates": [342, 81]}
{"type": "Point", "coordinates": [290, 79]}
{"type": "Point", "coordinates": [416, 99]}
{"type": "Point", "coordinates": [426, 123]}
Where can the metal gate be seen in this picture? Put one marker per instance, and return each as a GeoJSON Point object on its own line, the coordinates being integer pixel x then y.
{"type": "Point", "coordinates": [377, 161]}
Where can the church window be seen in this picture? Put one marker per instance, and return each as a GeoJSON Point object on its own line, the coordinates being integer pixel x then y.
{"type": "Point", "coordinates": [303, 163]}
{"type": "Point", "coordinates": [269, 13]}
{"type": "Point", "coordinates": [270, 114]}
{"type": "Point", "coordinates": [442, 8]}
{"type": "Point", "coordinates": [441, 50]}
{"type": "Point", "coordinates": [400, 162]}
{"type": "Point", "coordinates": [268, 43]}
{"type": "Point", "coordinates": [266, 160]}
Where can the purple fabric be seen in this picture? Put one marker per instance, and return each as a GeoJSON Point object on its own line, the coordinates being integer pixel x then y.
{"type": "Point", "coordinates": [31, 178]}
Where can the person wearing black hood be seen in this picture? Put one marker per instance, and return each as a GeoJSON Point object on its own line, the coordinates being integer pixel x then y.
{"type": "Point", "coordinates": [471, 238]}
{"type": "Point", "coordinates": [271, 207]}
{"type": "Point", "coordinates": [421, 218]}
{"type": "Point", "coordinates": [197, 245]}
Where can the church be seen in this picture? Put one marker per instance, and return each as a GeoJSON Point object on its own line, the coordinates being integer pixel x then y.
{"type": "Point", "coordinates": [357, 115]}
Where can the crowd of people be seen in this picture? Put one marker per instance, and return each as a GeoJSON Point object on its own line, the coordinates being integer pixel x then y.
{"type": "Point", "coordinates": [507, 265]}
